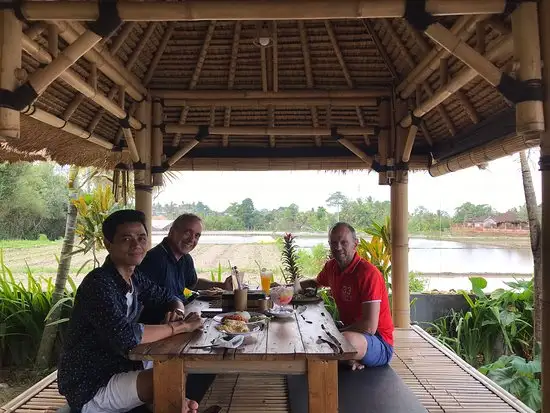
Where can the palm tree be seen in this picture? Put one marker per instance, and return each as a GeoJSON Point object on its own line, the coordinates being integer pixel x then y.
{"type": "Point", "coordinates": [535, 233]}
{"type": "Point", "coordinates": [50, 330]}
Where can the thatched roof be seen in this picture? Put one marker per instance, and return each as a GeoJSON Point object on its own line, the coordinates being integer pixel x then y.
{"type": "Point", "coordinates": [359, 54]}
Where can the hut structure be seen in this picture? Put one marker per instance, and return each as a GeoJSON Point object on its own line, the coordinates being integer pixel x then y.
{"type": "Point", "coordinates": [390, 85]}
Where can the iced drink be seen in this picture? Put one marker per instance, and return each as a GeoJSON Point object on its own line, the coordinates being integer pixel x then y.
{"type": "Point", "coordinates": [265, 277]}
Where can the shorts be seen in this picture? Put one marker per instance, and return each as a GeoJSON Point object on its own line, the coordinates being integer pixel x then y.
{"type": "Point", "coordinates": [119, 395]}
{"type": "Point", "coordinates": [379, 353]}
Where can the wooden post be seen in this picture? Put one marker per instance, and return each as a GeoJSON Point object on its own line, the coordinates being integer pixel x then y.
{"type": "Point", "coordinates": [169, 381]}
{"type": "Point", "coordinates": [322, 377]}
{"type": "Point", "coordinates": [157, 143]}
{"type": "Point", "coordinates": [525, 30]}
{"type": "Point", "coordinates": [384, 118]}
{"type": "Point", "coordinates": [545, 168]}
{"type": "Point", "coordinates": [10, 61]}
{"type": "Point", "coordinates": [399, 233]}
{"type": "Point", "coordinates": [142, 177]}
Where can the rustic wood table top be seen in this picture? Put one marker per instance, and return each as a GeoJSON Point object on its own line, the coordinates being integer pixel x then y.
{"type": "Point", "coordinates": [308, 335]}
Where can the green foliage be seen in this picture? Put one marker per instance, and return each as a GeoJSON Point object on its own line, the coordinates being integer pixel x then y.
{"type": "Point", "coordinates": [42, 237]}
{"type": "Point", "coordinates": [92, 209]}
{"type": "Point", "coordinates": [32, 201]}
{"type": "Point", "coordinates": [468, 211]}
{"type": "Point", "coordinates": [378, 254]}
{"type": "Point", "coordinates": [290, 259]}
{"type": "Point", "coordinates": [217, 276]}
{"type": "Point", "coordinates": [24, 308]}
{"type": "Point", "coordinates": [417, 284]}
{"type": "Point", "coordinates": [518, 376]}
{"type": "Point", "coordinates": [423, 221]}
{"type": "Point", "coordinates": [494, 325]}
{"type": "Point", "coordinates": [330, 304]}
{"type": "Point", "coordinates": [312, 261]}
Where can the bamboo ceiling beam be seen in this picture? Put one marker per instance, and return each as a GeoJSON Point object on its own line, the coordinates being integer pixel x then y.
{"type": "Point", "coordinates": [265, 87]}
{"type": "Point", "coordinates": [309, 75]}
{"type": "Point", "coordinates": [36, 29]}
{"type": "Point", "coordinates": [286, 94]}
{"type": "Point", "coordinates": [107, 65]}
{"type": "Point", "coordinates": [10, 63]}
{"type": "Point", "coordinates": [121, 38]}
{"type": "Point", "coordinates": [499, 26]}
{"type": "Point", "coordinates": [463, 27]}
{"type": "Point", "coordinates": [502, 50]}
{"type": "Point", "coordinates": [356, 151]}
{"type": "Point", "coordinates": [480, 36]}
{"type": "Point", "coordinates": [265, 131]}
{"type": "Point", "coordinates": [196, 75]}
{"type": "Point", "coordinates": [409, 59]}
{"type": "Point", "coordinates": [253, 9]}
{"type": "Point", "coordinates": [74, 80]}
{"type": "Point", "coordinates": [159, 52]}
{"type": "Point", "coordinates": [231, 77]}
{"type": "Point", "coordinates": [423, 127]}
{"type": "Point", "coordinates": [381, 49]}
{"type": "Point", "coordinates": [53, 40]}
{"type": "Point", "coordinates": [73, 106]}
{"type": "Point", "coordinates": [345, 71]}
{"type": "Point", "coordinates": [157, 146]}
{"type": "Point", "coordinates": [275, 79]}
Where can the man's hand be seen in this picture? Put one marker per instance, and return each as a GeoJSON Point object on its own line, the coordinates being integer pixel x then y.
{"type": "Point", "coordinates": [177, 315]}
{"type": "Point", "coordinates": [191, 323]}
{"type": "Point", "coordinates": [228, 284]}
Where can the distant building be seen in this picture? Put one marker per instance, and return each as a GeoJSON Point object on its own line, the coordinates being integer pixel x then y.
{"type": "Point", "coordinates": [480, 222]}
{"type": "Point", "coordinates": [510, 220]}
{"type": "Point", "coordinates": [506, 221]}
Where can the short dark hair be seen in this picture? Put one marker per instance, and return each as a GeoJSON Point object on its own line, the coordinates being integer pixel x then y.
{"type": "Point", "coordinates": [346, 225]}
{"type": "Point", "coordinates": [121, 217]}
{"type": "Point", "coordinates": [185, 218]}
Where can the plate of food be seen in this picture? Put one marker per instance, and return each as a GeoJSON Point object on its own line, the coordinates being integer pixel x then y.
{"type": "Point", "coordinates": [211, 294]}
{"type": "Point", "coordinates": [244, 316]}
{"type": "Point", "coordinates": [281, 312]}
{"type": "Point", "coordinates": [232, 327]}
{"type": "Point", "coordinates": [307, 296]}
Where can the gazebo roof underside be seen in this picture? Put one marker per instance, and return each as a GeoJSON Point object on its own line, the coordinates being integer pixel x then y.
{"type": "Point", "coordinates": [359, 54]}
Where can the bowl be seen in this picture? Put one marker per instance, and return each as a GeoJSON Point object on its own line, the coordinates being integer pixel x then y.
{"type": "Point", "coordinates": [282, 295]}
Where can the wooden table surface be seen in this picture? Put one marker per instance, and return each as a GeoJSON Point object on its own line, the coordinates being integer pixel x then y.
{"type": "Point", "coordinates": [284, 346]}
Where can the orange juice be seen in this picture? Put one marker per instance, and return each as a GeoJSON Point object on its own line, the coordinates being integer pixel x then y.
{"type": "Point", "coordinates": [265, 277]}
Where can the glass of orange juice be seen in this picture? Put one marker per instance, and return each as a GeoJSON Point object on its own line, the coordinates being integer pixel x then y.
{"type": "Point", "coordinates": [265, 277]}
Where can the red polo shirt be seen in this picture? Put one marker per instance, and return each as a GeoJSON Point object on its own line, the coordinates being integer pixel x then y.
{"type": "Point", "coordinates": [359, 283]}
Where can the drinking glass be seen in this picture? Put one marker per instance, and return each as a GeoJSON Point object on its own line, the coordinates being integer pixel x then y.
{"type": "Point", "coordinates": [265, 278]}
{"type": "Point", "coordinates": [281, 296]}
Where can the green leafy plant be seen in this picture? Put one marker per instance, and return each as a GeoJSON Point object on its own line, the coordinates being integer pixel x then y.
{"type": "Point", "coordinates": [519, 377]}
{"type": "Point", "coordinates": [330, 304]}
{"type": "Point", "coordinates": [217, 276]}
{"type": "Point", "coordinates": [417, 284]}
{"type": "Point", "coordinates": [378, 254]}
{"type": "Point", "coordinates": [290, 259]}
{"type": "Point", "coordinates": [311, 262]}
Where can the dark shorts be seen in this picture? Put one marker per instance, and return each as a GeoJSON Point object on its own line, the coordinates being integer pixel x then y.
{"type": "Point", "coordinates": [379, 353]}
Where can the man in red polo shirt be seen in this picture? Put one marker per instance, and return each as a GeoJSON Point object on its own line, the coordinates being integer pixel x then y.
{"type": "Point", "coordinates": [361, 297]}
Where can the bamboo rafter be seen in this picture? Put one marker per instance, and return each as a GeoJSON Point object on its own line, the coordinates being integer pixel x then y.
{"type": "Point", "coordinates": [255, 10]}
{"type": "Point", "coordinates": [286, 94]}
{"type": "Point", "coordinates": [36, 29]}
{"type": "Point", "coordinates": [309, 75]}
{"type": "Point", "coordinates": [123, 35]}
{"type": "Point", "coordinates": [196, 75]}
{"type": "Point", "coordinates": [275, 77]}
{"type": "Point", "coordinates": [345, 71]}
{"type": "Point", "coordinates": [159, 52]}
{"type": "Point", "coordinates": [266, 131]}
{"type": "Point", "coordinates": [231, 79]}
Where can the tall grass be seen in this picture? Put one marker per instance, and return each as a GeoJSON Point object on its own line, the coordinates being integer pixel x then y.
{"type": "Point", "coordinates": [24, 307]}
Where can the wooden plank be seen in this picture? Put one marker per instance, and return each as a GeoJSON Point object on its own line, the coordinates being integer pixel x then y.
{"type": "Point", "coordinates": [206, 338]}
{"type": "Point", "coordinates": [169, 386]}
{"type": "Point", "coordinates": [322, 379]}
{"type": "Point", "coordinates": [310, 323]}
{"type": "Point", "coordinates": [283, 340]}
{"type": "Point", "coordinates": [164, 349]}
{"type": "Point", "coordinates": [238, 366]}
{"type": "Point", "coordinates": [254, 348]}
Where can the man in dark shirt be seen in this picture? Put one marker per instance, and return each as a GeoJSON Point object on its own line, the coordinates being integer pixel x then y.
{"type": "Point", "coordinates": [95, 374]}
{"type": "Point", "coordinates": [170, 265]}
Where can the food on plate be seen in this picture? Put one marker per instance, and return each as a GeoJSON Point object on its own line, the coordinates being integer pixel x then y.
{"type": "Point", "coordinates": [233, 326]}
{"type": "Point", "coordinates": [258, 317]}
{"type": "Point", "coordinates": [239, 316]}
{"type": "Point", "coordinates": [212, 292]}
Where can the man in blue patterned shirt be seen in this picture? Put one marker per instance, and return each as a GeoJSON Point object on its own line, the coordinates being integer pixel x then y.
{"type": "Point", "coordinates": [95, 374]}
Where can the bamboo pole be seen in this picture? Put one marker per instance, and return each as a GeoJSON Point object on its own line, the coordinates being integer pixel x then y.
{"type": "Point", "coordinates": [501, 50]}
{"type": "Point", "coordinates": [78, 83]}
{"type": "Point", "coordinates": [36, 29]}
{"type": "Point", "coordinates": [384, 119]}
{"type": "Point", "coordinates": [68, 127]}
{"type": "Point", "coordinates": [356, 151]}
{"type": "Point", "coordinates": [399, 233]}
{"type": "Point", "coordinates": [266, 102]}
{"type": "Point", "coordinates": [482, 154]}
{"type": "Point", "coordinates": [409, 142]}
{"type": "Point", "coordinates": [463, 27]}
{"type": "Point", "coordinates": [144, 195]}
{"type": "Point", "coordinates": [260, 130]}
{"type": "Point", "coordinates": [42, 78]}
{"type": "Point", "coordinates": [182, 152]}
{"type": "Point", "coordinates": [463, 51]}
{"type": "Point", "coordinates": [53, 40]}
{"type": "Point", "coordinates": [117, 73]}
{"type": "Point", "coordinates": [159, 52]}
{"type": "Point", "coordinates": [254, 9]}
{"type": "Point", "coordinates": [525, 30]}
{"type": "Point", "coordinates": [10, 61]}
{"type": "Point", "coordinates": [233, 69]}
{"type": "Point", "coordinates": [121, 38]}
{"type": "Point", "coordinates": [157, 145]}
{"type": "Point", "coordinates": [287, 94]}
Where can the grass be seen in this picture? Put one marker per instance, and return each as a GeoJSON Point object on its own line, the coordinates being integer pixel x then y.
{"type": "Point", "coordinates": [21, 243]}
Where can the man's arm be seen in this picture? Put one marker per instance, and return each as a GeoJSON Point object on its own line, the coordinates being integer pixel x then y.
{"type": "Point", "coordinates": [311, 283]}
{"type": "Point", "coordinates": [155, 296]}
{"type": "Point", "coordinates": [368, 324]}
{"type": "Point", "coordinates": [204, 284]}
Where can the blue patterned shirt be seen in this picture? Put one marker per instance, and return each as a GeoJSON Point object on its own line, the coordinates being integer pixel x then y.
{"type": "Point", "coordinates": [103, 329]}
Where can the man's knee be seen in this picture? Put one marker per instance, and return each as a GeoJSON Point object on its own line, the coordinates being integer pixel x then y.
{"type": "Point", "coordinates": [145, 386]}
{"type": "Point", "coordinates": [358, 341]}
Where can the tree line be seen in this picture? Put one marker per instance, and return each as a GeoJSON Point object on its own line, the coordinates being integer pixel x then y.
{"type": "Point", "coordinates": [360, 212]}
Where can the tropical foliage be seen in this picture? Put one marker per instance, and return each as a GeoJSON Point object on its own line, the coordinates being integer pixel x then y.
{"type": "Point", "coordinates": [289, 257]}
{"type": "Point", "coordinates": [24, 309]}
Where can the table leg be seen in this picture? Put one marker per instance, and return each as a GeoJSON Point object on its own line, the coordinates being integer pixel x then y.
{"type": "Point", "coordinates": [169, 386]}
{"type": "Point", "coordinates": [322, 379]}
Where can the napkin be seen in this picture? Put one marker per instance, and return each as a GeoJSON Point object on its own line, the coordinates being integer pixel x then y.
{"type": "Point", "coordinates": [229, 342]}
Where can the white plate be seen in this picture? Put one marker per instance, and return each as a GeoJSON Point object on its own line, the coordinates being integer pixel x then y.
{"type": "Point", "coordinates": [254, 329]}
{"type": "Point", "coordinates": [281, 312]}
{"type": "Point", "coordinates": [219, 317]}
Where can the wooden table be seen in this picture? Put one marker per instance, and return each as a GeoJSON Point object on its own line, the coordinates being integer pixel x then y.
{"type": "Point", "coordinates": [289, 346]}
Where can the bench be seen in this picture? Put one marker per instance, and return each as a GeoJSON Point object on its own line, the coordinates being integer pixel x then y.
{"type": "Point", "coordinates": [370, 390]}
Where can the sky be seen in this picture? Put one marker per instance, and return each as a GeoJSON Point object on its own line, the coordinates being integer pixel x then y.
{"type": "Point", "coordinates": [500, 185]}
